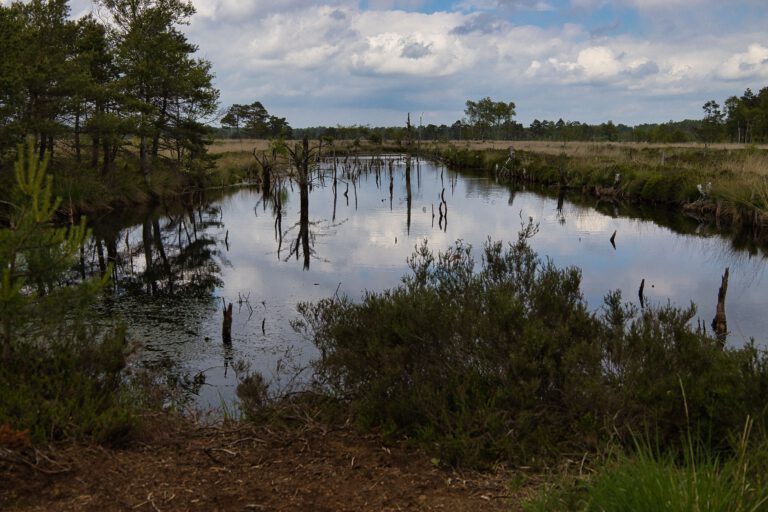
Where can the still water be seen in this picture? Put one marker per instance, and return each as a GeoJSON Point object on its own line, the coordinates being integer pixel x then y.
{"type": "Point", "coordinates": [175, 267]}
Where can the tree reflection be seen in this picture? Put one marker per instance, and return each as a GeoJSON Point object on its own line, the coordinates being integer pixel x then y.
{"type": "Point", "coordinates": [171, 254]}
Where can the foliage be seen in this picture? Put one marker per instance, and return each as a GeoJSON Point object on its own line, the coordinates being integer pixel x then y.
{"type": "Point", "coordinates": [253, 121]}
{"type": "Point", "coordinates": [85, 87]}
{"type": "Point", "coordinates": [486, 114]}
{"type": "Point", "coordinates": [60, 375]}
{"type": "Point", "coordinates": [506, 361]}
{"type": "Point", "coordinates": [648, 480]}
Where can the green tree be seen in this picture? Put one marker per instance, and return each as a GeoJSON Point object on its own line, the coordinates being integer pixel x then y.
{"type": "Point", "coordinates": [712, 125]}
{"type": "Point", "coordinates": [37, 61]}
{"type": "Point", "coordinates": [59, 374]}
{"type": "Point", "coordinates": [487, 114]}
{"type": "Point", "coordinates": [255, 121]}
{"type": "Point", "coordinates": [166, 90]}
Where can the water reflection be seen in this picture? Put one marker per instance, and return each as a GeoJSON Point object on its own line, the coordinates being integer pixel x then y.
{"type": "Point", "coordinates": [349, 225]}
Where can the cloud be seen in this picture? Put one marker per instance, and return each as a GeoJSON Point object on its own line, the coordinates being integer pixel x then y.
{"type": "Point", "coordinates": [594, 64]}
{"type": "Point", "coordinates": [750, 64]}
{"type": "Point", "coordinates": [329, 62]}
{"type": "Point", "coordinates": [642, 5]}
{"type": "Point", "coordinates": [416, 50]}
{"type": "Point", "coordinates": [415, 54]}
{"type": "Point", "coordinates": [483, 23]}
{"type": "Point", "coordinates": [506, 5]}
{"type": "Point", "coordinates": [239, 10]}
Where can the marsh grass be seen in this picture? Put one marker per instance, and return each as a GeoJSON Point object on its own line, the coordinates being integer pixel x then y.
{"type": "Point", "coordinates": [650, 479]}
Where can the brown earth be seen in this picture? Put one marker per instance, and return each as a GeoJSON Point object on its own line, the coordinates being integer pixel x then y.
{"type": "Point", "coordinates": [181, 466]}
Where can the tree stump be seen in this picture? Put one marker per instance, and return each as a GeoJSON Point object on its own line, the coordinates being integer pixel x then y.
{"type": "Point", "coordinates": [719, 323]}
{"type": "Point", "coordinates": [226, 329]}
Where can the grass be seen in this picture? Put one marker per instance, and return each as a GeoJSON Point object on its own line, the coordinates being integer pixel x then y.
{"type": "Point", "coordinates": [733, 180]}
{"type": "Point", "coordinates": [647, 479]}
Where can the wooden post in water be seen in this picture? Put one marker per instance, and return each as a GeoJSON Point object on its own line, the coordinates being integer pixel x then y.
{"type": "Point", "coordinates": [719, 323]}
{"type": "Point", "coordinates": [226, 329]}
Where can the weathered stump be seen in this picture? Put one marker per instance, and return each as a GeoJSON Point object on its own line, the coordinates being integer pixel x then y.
{"type": "Point", "coordinates": [720, 323]}
{"type": "Point", "coordinates": [226, 329]}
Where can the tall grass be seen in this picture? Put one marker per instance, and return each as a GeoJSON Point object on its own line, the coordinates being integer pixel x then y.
{"type": "Point", "coordinates": [647, 479]}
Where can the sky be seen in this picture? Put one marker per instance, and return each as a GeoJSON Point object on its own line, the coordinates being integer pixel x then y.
{"type": "Point", "coordinates": [371, 62]}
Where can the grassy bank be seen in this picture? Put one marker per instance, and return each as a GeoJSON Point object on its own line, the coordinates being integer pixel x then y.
{"type": "Point", "coordinates": [726, 185]}
{"type": "Point", "coordinates": [85, 190]}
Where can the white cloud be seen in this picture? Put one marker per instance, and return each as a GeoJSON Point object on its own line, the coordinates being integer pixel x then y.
{"type": "Point", "coordinates": [750, 64]}
{"type": "Point", "coordinates": [329, 62]}
{"type": "Point", "coordinates": [598, 62]}
{"type": "Point", "coordinates": [509, 5]}
{"type": "Point", "coordinates": [643, 5]}
{"type": "Point", "coordinates": [417, 54]}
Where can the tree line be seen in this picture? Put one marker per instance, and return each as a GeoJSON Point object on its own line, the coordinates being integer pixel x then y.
{"type": "Point", "coordinates": [745, 120]}
{"type": "Point", "coordinates": [125, 84]}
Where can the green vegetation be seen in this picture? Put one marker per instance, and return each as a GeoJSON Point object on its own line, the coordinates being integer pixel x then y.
{"type": "Point", "coordinates": [723, 185]}
{"type": "Point", "coordinates": [490, 117]}
{"type": "Point", "coordinates": [254, 122]}
{"type": "Point", "coordinates": [745, 118]}
{"type": "Point", "coordinates": [60, 375]}
{"type": "Point", "coordinates": [119, 104]}
{"type": "Point", "coordinates": [649, 480]}
{"type": "Point", "coordinates": [506, 362]}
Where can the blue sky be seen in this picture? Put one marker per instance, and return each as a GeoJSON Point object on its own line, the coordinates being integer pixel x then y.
{"type": "Point", "coordinates": [372, 61]}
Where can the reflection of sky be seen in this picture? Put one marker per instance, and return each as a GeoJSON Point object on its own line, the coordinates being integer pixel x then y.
{"type": "Point", "coordinates": [366, 249]}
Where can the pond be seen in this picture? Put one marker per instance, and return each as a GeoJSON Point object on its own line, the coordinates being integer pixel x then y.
{"type": "Point", "coordinates": [176, 267]}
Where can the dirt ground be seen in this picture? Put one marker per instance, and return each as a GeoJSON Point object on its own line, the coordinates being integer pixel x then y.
{"type": "Point", "coordinates": [179, 466]}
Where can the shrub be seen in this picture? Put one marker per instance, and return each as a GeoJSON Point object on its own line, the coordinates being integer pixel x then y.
{"type": "Point", "coordinates": [503, 359]}
{"type": "Point", "coordinates": [60, 375]}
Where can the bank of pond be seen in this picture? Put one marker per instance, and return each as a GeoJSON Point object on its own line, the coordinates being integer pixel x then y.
{"type": "Point", "coordinates": [485, 318]}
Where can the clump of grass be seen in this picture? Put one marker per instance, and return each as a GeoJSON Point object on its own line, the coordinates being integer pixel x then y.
{"type": "Point", "coordinates": [647, 479]}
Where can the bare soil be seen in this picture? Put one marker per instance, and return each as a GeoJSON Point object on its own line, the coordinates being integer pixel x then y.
{"type": "Point", "coordinates": [182, 466]}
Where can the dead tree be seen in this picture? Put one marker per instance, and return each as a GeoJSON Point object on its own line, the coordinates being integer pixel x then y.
{"type": "Point", "coordinates": [720, 323]}
{"type": "Point", "coordinates": [226, 329]}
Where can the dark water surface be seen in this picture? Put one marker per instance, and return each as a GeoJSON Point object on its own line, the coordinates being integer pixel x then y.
{"type": "Point", "coordinates": [238, 249]}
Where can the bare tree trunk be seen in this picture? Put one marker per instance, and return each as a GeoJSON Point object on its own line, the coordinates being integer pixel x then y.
{"type": "Point", "coordinates": [226, 328]}
{"type": "Point", "coordinates": [720, 323]}
{"type": "Point", "coordinates": [143, 160]}
{"type": "Point", "coordinates": [77, 136]}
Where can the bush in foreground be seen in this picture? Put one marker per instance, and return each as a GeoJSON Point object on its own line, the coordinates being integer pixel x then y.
{"type": "Point", "coordinates": [60, 376]}
{"type": "Point", "coordinates": [504, 360]}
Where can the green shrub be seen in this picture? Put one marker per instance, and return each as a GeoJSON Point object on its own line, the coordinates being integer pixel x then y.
{"type": "Point", "coordinates": [59, 375]}
{"type": "Point", "coordinates": [646, 480]}
{"type": "Point", "coordinates": [504, 359]}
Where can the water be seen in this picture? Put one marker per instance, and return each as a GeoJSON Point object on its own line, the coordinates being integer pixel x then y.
{"type": "Point", "coordinates": [237, 249]}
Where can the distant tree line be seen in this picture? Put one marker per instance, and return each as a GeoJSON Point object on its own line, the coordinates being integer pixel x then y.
{"type": "Point", "coordinates": [560, 130]}
{"type": "Point", "coordinates": [91, 88]}
{"type": "Point", "coordinates": [744, 120]}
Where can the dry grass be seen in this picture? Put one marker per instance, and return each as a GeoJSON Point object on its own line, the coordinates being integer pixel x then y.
{"type": "Point", "coordinates": [238, 146]}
